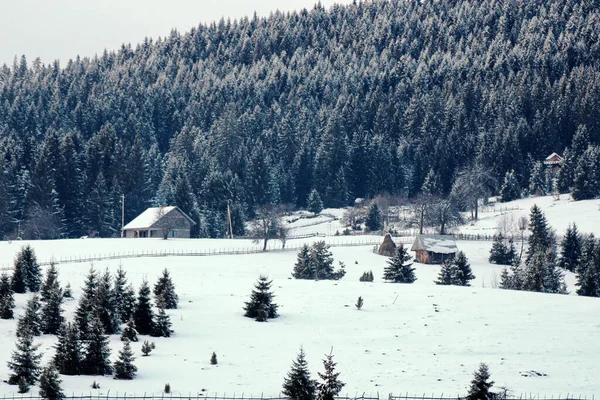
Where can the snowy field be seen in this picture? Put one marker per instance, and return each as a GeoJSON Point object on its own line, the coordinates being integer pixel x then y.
{"type": "Point", "coordinates": [418, 338]}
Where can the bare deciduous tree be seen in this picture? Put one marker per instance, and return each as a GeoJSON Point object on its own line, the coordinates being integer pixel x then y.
{"type": "Point", "coordinates": [267, 225]}
{"type": "Point", "coordinates": [471, 185]}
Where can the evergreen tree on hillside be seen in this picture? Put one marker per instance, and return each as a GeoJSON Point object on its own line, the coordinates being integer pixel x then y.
{"type": "Point", "coordinates": [481, 385]}
{"type": "Point", "coordinates": [7, 300]}
{"type": "Point", "coordinates": [464, 269]}
{"type": "Point", "coordinates": [143, 315]}
{"type": "Point", "coordinates": [399, 269]}
{"type": "Point", "coordinates": [570, 254]}
{"type": "Point", "coordinates": [26, 262]}
{"type": "Point", "coordinates": [331, 385]}
{"type": "Point", "coordinates": [514, 279]}
{"type": "Point", "coordinates": [164, 292]}
{"type": "Point", "coordinates": [510, 189]}
{"type": "Point", "coordinates": [374, 222]}
{"type": "Point", "coordinates": [129, 332]}
{"type": "Point", "coordinates": [540, 239]}
{"type": "Point", "coordinates": [86, 308]}
{"type": "Point", "coordinates": [50, 384]}
{"type": "Point", "coordinates": [124, 368]}
{"type": "Point", "coordinates": [118, 290]}
{"type": "Point", "coordinates": [161, 326]}
{"type": "Point", "coordinates": [96, 359]}
{"type": "Point", "coordinates": [501, 253]}
{"type": "Point", "coordinates": [448, 274]}
{"type": "Point", "coordinates": [19, 277]}
{"type": "Point", "coordinates": [50, 283]}
{"type": "Point", "coordinates": [321, 261]}
{"type": "Point", "coordinates": [25, 361]}
{"type": "Point", "coordinates": [298, 385]}
{"type": "Point", "coordinates": [30, 323]}
{"type": "Point", "coordinates": [588, 271]}
{"type": "Point", "coordinates": [314, 203]}
{"type": "Point", "coordinates": [51, 316]}
{"type": "Point", "coordinates": [106, 305]}
{"type": "Point", "coordinates": [69, 353]}
{"type": "Point", "coordinates": [261, 306]}
{"type": "Point", "coordinates": [302, 268]}
{"type": "Point", "coordinates": [541, 274]}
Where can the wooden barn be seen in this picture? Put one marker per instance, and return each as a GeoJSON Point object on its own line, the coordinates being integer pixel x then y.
{"type": "Point", "coordinates": [434, 249]}
{"type": "Point", "coordinates": [554, 162]}
{"type": "Point", "coordinates": [159, 222]}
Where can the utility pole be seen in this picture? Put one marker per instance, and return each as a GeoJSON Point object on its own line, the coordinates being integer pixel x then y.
{"type": "Point", "coordinates": [229, 220]}
{"type": "Point", "coordinates": [122, 213]}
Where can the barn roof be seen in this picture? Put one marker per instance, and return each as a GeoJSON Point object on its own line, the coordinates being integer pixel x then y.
{"type": "Point", "coordinates": [553, 159]}
{"type": "Point", "coordinates": [148, 218]}
{"type": "Point", "coordinates": [441, 244]}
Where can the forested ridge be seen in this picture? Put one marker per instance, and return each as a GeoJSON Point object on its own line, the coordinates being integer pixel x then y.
{"type": "Point", "coordinates": [353, 101]}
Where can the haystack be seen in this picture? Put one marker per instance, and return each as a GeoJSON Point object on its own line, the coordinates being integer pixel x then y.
{"type": "Point", "coordinates": [388, 247]}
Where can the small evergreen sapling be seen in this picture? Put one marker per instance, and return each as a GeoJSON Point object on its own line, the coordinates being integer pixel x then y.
{"type": "Point", "coordinates": [331, 385]}
{"type": "Point", "coordinates": [367, 276]}
{"type": "Point", "coordinates": [143, 315]}
{"type": "Point", "coordinates": [297, 385]}
{"type": "Point", "coordinates": [399, 269]}
{"type": "Point", "coordinates": [67, 292]}
{"type": "Point", "coordinates": [50, 283]}
{"type": "Point", "coordinates": [161, 326]}
{"type": "Point", "coordinates": [261, 306]}
{"type": "Point", "coordinates": [31, 322]}
{"type": "Point", "coordinates": [213, 359]}
{"type": "Point", "coordinates": [129, 332]}
{"type": "Point", "coordinates": [25, 361]}
{"type": "Point", "coordinates": [167, 388]}
{"type": "Point", "coordinates": [147, 348]}
{"type": "Point", "coordinates": [456, 271]}
{"type": "Point", "coordinates": [164, 292]}
{"type": "Point", "coordinates": [124, 368]}
{"type": "Point", "coordinates": [359, 303]}
{"type": "Point", "coordinates": [50, 384]}
{"type": "Point", "coordinates": [23, 385]}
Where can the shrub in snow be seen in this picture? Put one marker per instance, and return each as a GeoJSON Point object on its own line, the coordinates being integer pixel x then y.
{"type": "Point", "coordinates": [359, 303]}
{"type": "Point", "coordinates": [167, 388]}
{"type": "Point", "coordinates": [213, 358]}
{"type": "Point", "coordinates": [367, 276]}
{"type": "Point", "coordinates": [129, 332]}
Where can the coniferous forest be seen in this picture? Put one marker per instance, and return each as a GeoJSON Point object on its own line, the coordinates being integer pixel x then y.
{"type": "Point", "coordinates": [354, 101]}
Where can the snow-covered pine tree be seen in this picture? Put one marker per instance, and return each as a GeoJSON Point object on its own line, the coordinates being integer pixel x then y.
{"type": "Point", "coordinates": [541, 274]}
{"type": "Point", "coordinates": [50, 282]}
{"type": "Point", "coordinates": [302, 268]}
{"type": "Point", "coordinates": [68, 358]}
{"type": "Point", "coordinates": [128, 302]}
{"type": "Point", "coordinates": [124, 368]}
{"type": "Point", "coordinates": [448, 274]}
{"type": "Point", "coordinates": [331, 385]}
{"type": "Point", "coordinates": [164, 292]}
{"type": "Point", "coordinates": [23, 385]}
{"type": "Point", "coordinates": [96, 360]}
{"type": "Point", "coordinates": [321, 261]}
{"type": "Point", "coordinates": [510, 189]}
{"type": "Point", "coordinates": [7, 300]}
{"type": "Point", "coordinates": [465, 275]}
{"type": "Point", "coordinates": [314, 203]}
{"type": "Point", "coordinates": [373, 222]}
{"type": "Point", "coordinates": [129, 332]}
{"type": "Point", "coordinates": [143, 316]}
{"type": "Point", "coordinates": [399, 269]}
{"type": "Point", "coordinates": [106, 305]}
{"type": "Point", "coordinates": [147, 348]}
{"type": "Point", "coordinates": [50, 384]}
{"type": "Point", "coordinates": [537, 180]}
{"type": "Point", "coordinates": [119, 289]}
{"type": "Point", "coordinates": [19, 278]}
{"type": "Point", "coordinates": [500, 252]}
{"type": "Point", "coordinates": [298, 385]}
{"type": "Point", "coordinates": [570, 253]}
{"type": "Point", "coordinates": [31, 321]}
{"type": "Point", "coordinates": [541, 235]}
{"type": "Point", "coordinates": [51, 316]}
{"type": "Point", "coordinates": [481, 385]}
{"type": "Point", "coordinates": [261, 306]}
{"type": "Point", "coordinates": [28, 261]}
{"type": "Point", "coordinates": [87, 303]}
{"type": "Point", "coordinates": [25, 361]}
{"type": "Point", "coordinates": [162, 324]}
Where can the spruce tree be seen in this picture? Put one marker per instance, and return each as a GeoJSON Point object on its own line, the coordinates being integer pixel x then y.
{"type": "Point", "coordinates": [31, 321]}
{"type": "Point", "coordinates": [302, 268]}
{"type": "Point", "coordinates": [321, 261]}
{"type": "Point", "coordinates": [448, 274]}
{"type": "Point", "coordinates": [19, 277]}
{"type": "Point", "coordinates": [510, 189]}
{"type": "Point", "coordinates": [50, 282]}
{"type": "Point", "coordinates": [86, 308]}
{"type": "Point", "coordinates": [50, 384]}
{"type": "Point", "coordinates": [27, 262]}
{"type": "Point", "coordinates": [7, 300]}
{"type": "Point", "coordinates": [261, 306]}
{"type": "Point", "coordinates": [399, 269]}
{"type": "Point", "coordinates": [373, 222]}
{"type": "Point", "coordinates": [481, 385]}
{"type": "Point", "coordinates": [314, 203]}
{"type": "Point", "coordinates": [500, 253]}
{"type": "Point", "coordinates": [69, 353]}
{"type": "Point", "coordinates": [298, 385]}
{"type": "Point", "coordinates": [331, 385]}
{"type": "Point", "coordinates": [119, 293]}
{"type": "Point", "coordinates": [106, 305]}
{"type": "Point", "coordinates": [52, 310]}
{"type": "Point", "coordinates": [96, 360]}
{"type": "Point", "coordinates": [25, 361]}
{"type": "Point", "coordinates": [143, 316]}
{"type": "Point", "coordinates": [541, 274]}
{"type": "Point", "coordinates": [465, 275]}
{"type": "Point", "coordinates": [161, 326]}
{"type": "Point", "coordinates": [164, 292]}
{"type": "Point", "coordinates": [128, 303]}
{"type": "Point", "coordinates": [129, 332]}
{"type": "Point", "coordinates": [570, 254]}
{"type": "Point", "coordinates": [124, 368]}
{"type": "Point", "coordinates": [541, 236]}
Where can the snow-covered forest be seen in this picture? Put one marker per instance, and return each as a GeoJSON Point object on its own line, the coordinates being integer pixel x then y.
{"type": "Point", "coordinates": [353, 101]}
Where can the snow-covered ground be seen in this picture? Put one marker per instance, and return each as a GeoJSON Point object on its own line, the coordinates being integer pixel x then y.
{"type": "Point", "coordinates": [418, 338]}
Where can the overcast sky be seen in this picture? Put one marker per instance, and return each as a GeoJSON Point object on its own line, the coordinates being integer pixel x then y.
{"type": "Point", "coordinates": [62, 29]}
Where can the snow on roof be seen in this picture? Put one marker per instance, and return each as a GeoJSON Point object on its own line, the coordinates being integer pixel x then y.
{"type": "Point", "coordinates": [553, 159]}
{"type": "Point", "coordinates": [147, 218]}
{"type": "Point", "coordinates": [441, 244]}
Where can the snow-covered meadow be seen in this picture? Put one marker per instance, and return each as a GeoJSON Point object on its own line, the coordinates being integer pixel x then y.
{"type": "Point", "coordinates": [418, 338]}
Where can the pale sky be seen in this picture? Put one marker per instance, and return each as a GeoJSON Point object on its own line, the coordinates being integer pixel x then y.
{"type": "Point", "coordinates": [63, 29]}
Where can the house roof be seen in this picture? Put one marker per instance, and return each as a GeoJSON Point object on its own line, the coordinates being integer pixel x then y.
{"type": "Point", "coordinates": [553, 159]}
{"type": "Point", "coordinates": [148, 218]}
{"type": "Point", "coordinates": [441, 244]}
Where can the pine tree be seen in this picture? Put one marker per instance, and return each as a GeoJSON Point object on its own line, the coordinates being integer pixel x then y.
{"type": "Point", "coordinates": [161, 326]}
{"type": "Point", "coordinates": [25, 361]}
{"type": "Point", "coordinates": [51, 317]}
{"type": "Point", "coordinates": [143, 316]}
{"type": "Point", "coordinates": [499, 253]}
{"type": "Point", "coordinates": [541, 274]}
{"type": "Point", "coordinates": [50, 282]}
{"type": "Point", "coordinates": [570, 254]}
{"type": "Point", "coordinates": [510, 189]}
{"type": "Point", "coordinates": [96, 360]}
{"type": "Point", "coordinates": [302, 268]}
{"type": "Point", "coordinates": [464, 269]}
{"type": "Point", "coordinates": [119, 292]}
{"type": "Point", "coordinates": [213, 359]}
{"type": "Point", "coordinates": [50, 384]}
{"type": "Point", "coordinates": [7, 300]}
{"type": "Point", "coordinates": [86, 308]}
{"type": "Point", "coordinates": [129, 332]}
{"type": "Point", "coordinates": [128, 302]}
{"type": "Point", "coordinates": [31, 322]}
{"type": "Point", "coordinates": [19, 277]}
{"type": "Point", "coordinates": [147, 348]}
{"type": "Point", "coordinates": [399, 269]}
{"type": "Point", "coordinates": [314, 203]}
{"type": "Point", "coordinates": [321, 262]}
{"type": "Point", "coordinates": [261, 306]}
{"type": "Point", "coordinates": [23, 385]}
{"type": "Point", "coordinates": [26, 262]}
{"type": "Point", "coordinates": [298, 385]}
{"type": "Point", "coordinates": [541, 236]}
{"type": "Point", "coordinates": [481, 385]}
{"type": "Point", "coordinates": [331, 385]}
{"type": "Point", "coordinates": [373, 222]}
{"type": "Point", "coordinates": [69, 353]}
{"type": "Point", "coordinates": [164, 292]}
{"type": "Point", "coordinates": [106, 305]}
{"type": "Point", "coordinates": [124, 368]}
